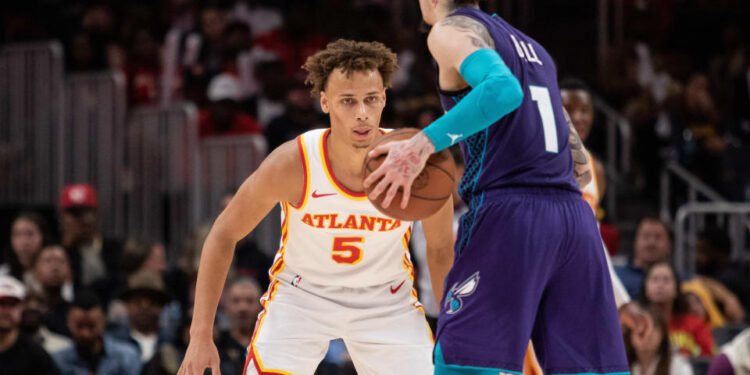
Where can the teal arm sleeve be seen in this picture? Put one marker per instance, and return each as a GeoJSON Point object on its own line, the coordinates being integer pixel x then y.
{"type": "Point", "coordinates": [495, 93]}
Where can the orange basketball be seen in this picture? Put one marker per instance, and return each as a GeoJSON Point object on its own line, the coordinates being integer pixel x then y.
{"type": "Point", "coordinates": [430, 189]}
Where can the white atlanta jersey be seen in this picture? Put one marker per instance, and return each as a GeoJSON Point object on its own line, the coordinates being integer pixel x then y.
{"type": "Point", "coordinates": [334, 236]}
{"type": "Point", "coordinates": [343, 271]}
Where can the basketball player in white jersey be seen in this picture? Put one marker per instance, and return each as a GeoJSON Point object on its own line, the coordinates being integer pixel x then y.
{"type": "Point", "coordinates": [343, 269]}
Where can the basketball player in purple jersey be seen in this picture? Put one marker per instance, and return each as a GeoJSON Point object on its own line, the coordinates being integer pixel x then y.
{"type": "Point", "coordinates": [529, 261]}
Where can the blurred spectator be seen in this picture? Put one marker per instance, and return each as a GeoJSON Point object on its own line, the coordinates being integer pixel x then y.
{"type": "Point", "coordinates": [688, 332]}
{"type": "Point", "coordinates": [35, 308]}
{"type": "Point", "coordinates": [51, 275]}
{"type": "Point", "coordinates": [694, 130]}
{"type": "Point", "coordinates": [201, 53]}
{"type": "Point", "coordinates": [273, 90]}
{"type": "Point", "coordinates": [169, 356]}
{"type": "Point", "coordinates": [713, 259]}
{"type": "Point", "coordinates": [650, 353]}
{"type": "Point", "coordinates": [94, 259]}
{"type": "Point", "coordinates": [700, 303]}
{"type": "Point", "coordinates": [19, 355]}
{"type": "Point", "coordinates": [578, 101]}
{"type": "Point", "coordinates": [141, 256]}
{"type": "Point", "coordinates": [223, 117]}
{"type": "Point", "coordinates": [145, 298]}
{"type": "Point", "coordinates": [652, 244]}
{"type": "Point", "coordinates": [297, 40]}
{"type": "Point", "coordinates": [94, 353]}
{"type": "Point", "coordinates": [143, 68]}
{"type": "Point", "coordinates": [83, 54]}
{"type": "Point", "coordinates": [299, 116]}
{"type": "Point", "coordinates": [260, 17]}
{"type": "Point", "coordinates": [242, 305]}
{"type": "Point", "coordinates": [27, 236]}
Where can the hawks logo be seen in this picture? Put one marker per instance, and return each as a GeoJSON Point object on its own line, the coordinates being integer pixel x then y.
{"type": "Point", "coordinates": [454, 301]}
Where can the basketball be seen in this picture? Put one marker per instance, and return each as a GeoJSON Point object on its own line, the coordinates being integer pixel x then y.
{"type": "Point", "coordinates": [430, 189]}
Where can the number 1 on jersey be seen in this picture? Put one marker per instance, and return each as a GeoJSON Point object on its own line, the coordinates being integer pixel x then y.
{"type": "Point", "coordinates": [345, 253]}
{"type": "Point", "coordinates": [540, 95]}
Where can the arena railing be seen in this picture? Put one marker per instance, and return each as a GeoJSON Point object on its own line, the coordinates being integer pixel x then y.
{"type": "Point", "coordinates": [161, 187]}
{"type": "Point", "coordinates": [93, 141]}
{"type": "Point", "coordinates": [225, 162]}
{"type": "Point", "coordinates": [617, 162]}
{"type": "Point", "coordinates": [691, 217]}
{"type": "Point", "coordinates": [31, 119]}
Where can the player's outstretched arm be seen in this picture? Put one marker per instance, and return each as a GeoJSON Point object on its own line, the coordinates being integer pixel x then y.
{"type": "Point", "coordinates": [438, 233]}
{"type": "Point", "coordinates": [463, 50]}
{"type": "Point", "coordinates": [279, 178]}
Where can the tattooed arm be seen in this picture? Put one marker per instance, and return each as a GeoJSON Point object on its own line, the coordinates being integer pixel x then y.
{"type": "Point", "coordinates": [581, 161]}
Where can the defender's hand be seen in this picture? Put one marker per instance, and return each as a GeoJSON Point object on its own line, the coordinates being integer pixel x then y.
{"type": "Point", "coordinates": [200, 354]}
{"type": "Point", "coordinates": [404, 162]}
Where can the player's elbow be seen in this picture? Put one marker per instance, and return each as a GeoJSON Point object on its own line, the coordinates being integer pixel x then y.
{"type": "Point", "coordinates": [505, 94]}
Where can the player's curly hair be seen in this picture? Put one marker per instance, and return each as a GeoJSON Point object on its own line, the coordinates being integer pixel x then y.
{"type": "Point", "coordinates": [350, 56]}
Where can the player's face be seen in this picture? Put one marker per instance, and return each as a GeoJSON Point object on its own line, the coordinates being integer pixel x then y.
{"type": "Point", "coordinates": [581, 110]}
{"type": "Point", "coordinates": [355, 104]}
{"type": "Point", "coordinates": [652, 242]}
{"type": "Point", "coordinates": [243, 304]}
{"type": "Point", "coordinates": [661, 286]}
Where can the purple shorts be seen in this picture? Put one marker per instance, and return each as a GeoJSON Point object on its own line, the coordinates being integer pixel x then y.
{"type": "Point", "coordinates": [530, 264]}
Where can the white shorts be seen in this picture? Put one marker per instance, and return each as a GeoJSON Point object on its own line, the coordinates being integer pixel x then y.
{"type": "Point", "coordinates": [383, 327]}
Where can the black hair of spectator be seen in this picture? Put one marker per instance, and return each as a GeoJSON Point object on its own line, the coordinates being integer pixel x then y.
{"type": "Point", "coordinates": [680, 304]}
{"type": "Point", "coordinates": [655, 219]}
{"type": "Point", "coordinates": [571, 83]}
{"type": "Point", "coordinates": [86, 300]}
{"type": "Point", "coordinates": [47, 247]}
{"type": "Point", "coordinates": [16, 268]}
{"type": "Point", "coordinates": [718, 240]}
{"type": "Point", "coordinates": [135, 252]}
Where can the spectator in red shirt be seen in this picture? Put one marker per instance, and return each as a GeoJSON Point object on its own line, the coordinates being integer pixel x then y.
{"type": "Point", "coordinates": [688, 332]}
{"type": "Point", "coordinates": [223, 116]}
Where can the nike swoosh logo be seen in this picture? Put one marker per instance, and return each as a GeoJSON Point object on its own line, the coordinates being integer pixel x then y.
{"type": "Point", "coordinates": [316, 195]}
{"type": "Point", "coordinates": [393, 291]}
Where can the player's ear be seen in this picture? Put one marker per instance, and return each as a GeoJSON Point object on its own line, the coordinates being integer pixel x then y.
{"type": "Point", "coordinates": [324, 102]}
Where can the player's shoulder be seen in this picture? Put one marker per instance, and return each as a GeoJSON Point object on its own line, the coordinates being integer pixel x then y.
{"type": "Point", "coordinates": [285, 159]}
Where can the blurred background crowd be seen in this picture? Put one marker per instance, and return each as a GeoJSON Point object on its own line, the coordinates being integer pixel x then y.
{"type": "Point", "coordinates": [125, 127]}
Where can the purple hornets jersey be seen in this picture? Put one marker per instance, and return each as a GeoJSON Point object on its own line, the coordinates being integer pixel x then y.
{"type": "Point", "coordinates": [529, 146]}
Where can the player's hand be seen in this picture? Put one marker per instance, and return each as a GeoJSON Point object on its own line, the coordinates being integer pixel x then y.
{"type": "Point", "coordinates": [404, 162]}
{"type": "Point", "coordinates": [200, 354]}
{"type": "Point", "coordinates": [638, 320]}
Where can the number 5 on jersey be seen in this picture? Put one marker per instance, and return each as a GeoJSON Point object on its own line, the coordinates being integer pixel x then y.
{"type": "Point", "coordinates": [344, 252]}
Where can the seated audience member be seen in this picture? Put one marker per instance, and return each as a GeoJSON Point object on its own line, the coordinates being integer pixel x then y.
{"type": "Point", "coordinates": [32, 323]}
{"type": "Point", "coordinates": [223, 116]}
{"type": "Point", "coordinates": [93, 352]}
{"type": "Point", "coordinates": [169, 355]}
{"type": "Point", "coordinates": [652, 244]}
{"type": "Point", "coordinates": [51, 275]}
{"type": "Point", "coordinates": [688, 332]}
{"type": "Point", "coordinates": [19, 355]}
{"type": "Point", "coordinates": [713, 259]}
{"type": "Point", "coordinates": [27, 236]}
{"type": "Point", "coordinates": [94, 259]}
{"type": "Point", "coordinates": [241, 305]}
{"type": "Point", "coordinates": [734, 357]}
{"type": "Point", "coordinates": [700, 303]}
{"type": "Point", "coordinates": [144, 298]}
{"type": "Point", "coordinates": [650, 352]}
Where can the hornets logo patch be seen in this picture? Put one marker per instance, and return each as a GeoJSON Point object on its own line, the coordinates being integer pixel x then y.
{"type": "Point", "coordinates": [454, 298]}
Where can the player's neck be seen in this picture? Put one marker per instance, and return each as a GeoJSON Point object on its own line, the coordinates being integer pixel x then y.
{"type": "Point", "coordinates": [445, 10]}
{"type": "Point", "coordinates": [344, 157]}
